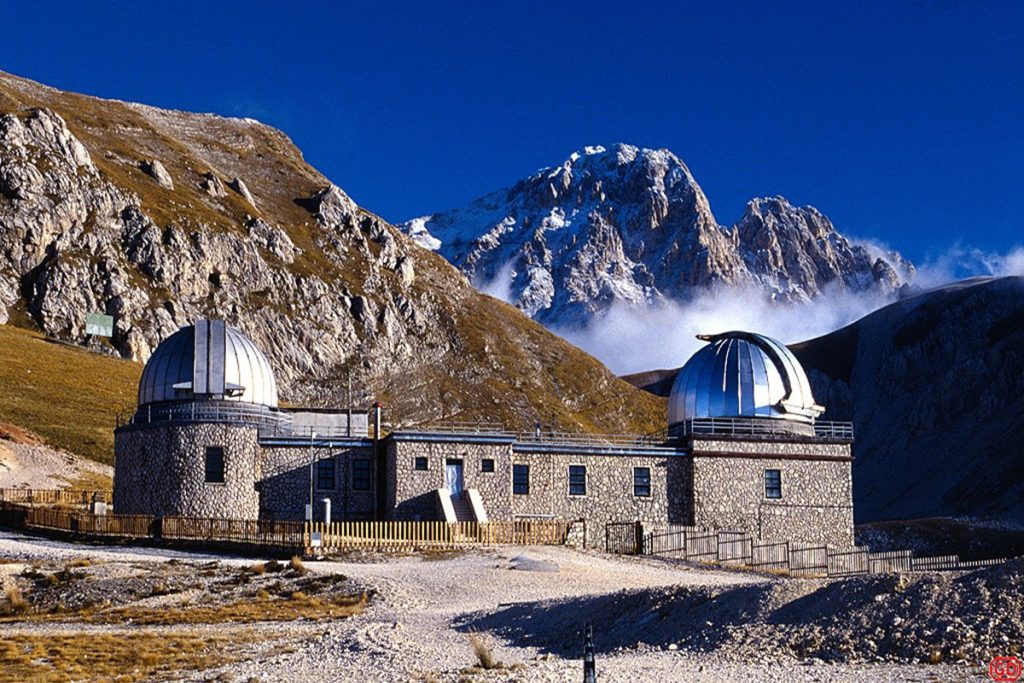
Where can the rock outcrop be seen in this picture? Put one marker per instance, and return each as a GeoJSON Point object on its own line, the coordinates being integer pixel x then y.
{"type": "Point", "coordinates": [238, 185]}
{"type": "Point", "coordinates": [327, 289]}
{"type": "Point", "coordinates": [630, 225]}
{"type": "Point", "coordinates": [156, 170]}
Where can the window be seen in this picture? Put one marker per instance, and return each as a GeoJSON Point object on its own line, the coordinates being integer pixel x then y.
{"type": "Point", "coordinates": [521, 480]}
{"type": "Point", "coordinates": [487, 465]}
{"type": "Point", "coordinates": [642, 482]}
{"type": "Point", "coordinates": [361, 474]}
{"type": "Point", "coordinates": [325, 474]}
{"type": "Point", "coordinates": [419, 463]}
{"type": "Point", "coordinates": [577, 480]}
{"type": "Point", "coordinates": [772, 484]}
{"type": "Point", "coordinates": [214, 465]}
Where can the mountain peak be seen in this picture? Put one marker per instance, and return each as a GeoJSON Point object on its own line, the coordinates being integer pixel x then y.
{"type": "Point", "coordinates": [626, 224]}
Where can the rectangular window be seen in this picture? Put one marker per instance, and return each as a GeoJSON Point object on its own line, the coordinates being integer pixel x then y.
{"type": "Point", "coordinates": [577, 480]}
{"type": "Point", "coordinates": [487, 465]}
{"type": "Point", "coordinates": [361, 474]}
{"type": "Point", "coordinates": [214, 465]}
{"type": "Point", "coordinates": [419, 463]}
{"type": "Point", "coordinates": [772, 484]}
{"type": "Point", "coordinates": [325, 474]}
{"type": "Point", "coordinates": [521, 480]}
{"type": "Point", "coordinates": [642, 482]}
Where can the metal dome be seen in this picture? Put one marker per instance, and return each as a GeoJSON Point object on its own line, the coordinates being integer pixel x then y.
{"type": "Point", "coordinates": [208, 360]}
{"type": "Point", "coordinates": [741, 374]}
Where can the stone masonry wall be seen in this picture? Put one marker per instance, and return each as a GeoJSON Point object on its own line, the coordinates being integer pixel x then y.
{"type": "Point", "coordinates": [161, 470]}
{"type": "Point", "coordinates": [412, 493]}
{"type": "Point", "coordinates": [609, 494]}
{"type": "Point", "coordinates": [817, 494]}
{"type": "Point", "coordinates": [284, 489]}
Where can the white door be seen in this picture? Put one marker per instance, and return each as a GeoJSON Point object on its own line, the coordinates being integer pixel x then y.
{"type": "Point", "coordinates": [453, 477]}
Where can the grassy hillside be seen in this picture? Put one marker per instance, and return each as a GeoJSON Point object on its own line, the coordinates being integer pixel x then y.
{"type": "Point", "coordinates": [67, 396]}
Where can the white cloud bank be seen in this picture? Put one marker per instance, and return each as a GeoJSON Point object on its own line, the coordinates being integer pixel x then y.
{"type": "Point", "coordinates": [636, 338]}
{"type": "Point", "coordinates": [633, 339]}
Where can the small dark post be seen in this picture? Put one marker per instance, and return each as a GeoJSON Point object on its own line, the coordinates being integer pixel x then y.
{"type": "Point", "coordinates": [589, 670]}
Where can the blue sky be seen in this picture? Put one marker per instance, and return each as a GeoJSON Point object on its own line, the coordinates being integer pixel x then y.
{"type": "Point", "coordinates": [902, 121]}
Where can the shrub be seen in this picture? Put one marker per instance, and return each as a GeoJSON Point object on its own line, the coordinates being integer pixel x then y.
{"type": "Point", "coordinates": [295, 564]}
{"type": "Point", "coordinates": [484, 657]}
{"type": "Point", "coordinates": [259, 569]}
{"type": "Point", "coordinates": [16, 602]}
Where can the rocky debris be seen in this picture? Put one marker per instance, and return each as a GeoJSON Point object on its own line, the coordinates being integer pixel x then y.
{"type": "Point", "coordinates": [212, 185]}
{"type": "Point", "coordinates": [929, 618]}
{"type": "Point", "coordinates": [239, 186]}
{"type": "Point", "coordinates": [156, 170]}
{"type": "Point", "coordinates": [630, 225]}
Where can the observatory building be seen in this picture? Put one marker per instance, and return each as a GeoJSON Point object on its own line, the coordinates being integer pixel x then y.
{"type": "Point", "coordinates": [744, 450]}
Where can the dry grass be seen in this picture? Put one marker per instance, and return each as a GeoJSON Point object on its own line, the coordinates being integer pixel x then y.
{"type": "Point", "coordinates": [295, 564]}
{"type": "Point", "coordinates": [246, 611]}
{"type": "Point", "coordinates": [482, 650]}
{"type": "Point", "coordinates": [33, 371]}
{"type": "Point", "coordinates": [120, 657]}
{"type": "Point", "coordinates": [15, 602]}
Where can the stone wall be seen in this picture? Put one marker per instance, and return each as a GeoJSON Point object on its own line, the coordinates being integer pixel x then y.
{"type": "Point", "coordinates": [817, 492]}
{"type": "Point", "coordinates": [609, 495]}
{"type": "Point", "coordinates": [412, 493]}
{"type": "Point", "coordinates": [161, 470]}
{"type": "Point", "coordinates": [284, 488]}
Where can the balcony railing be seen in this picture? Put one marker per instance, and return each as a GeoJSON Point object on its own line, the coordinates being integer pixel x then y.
{"type": "Point", "coordinates": [736, 426]}
{"type": "Point", "coordinates": [228, 412]}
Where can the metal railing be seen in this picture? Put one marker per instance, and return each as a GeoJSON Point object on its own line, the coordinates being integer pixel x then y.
{"type": "Point", "coordinates": [285, 429]}
{"type": "Point", "coordinates": [742, 426]}
{"type": "Point", "coordinates": [229, 412]}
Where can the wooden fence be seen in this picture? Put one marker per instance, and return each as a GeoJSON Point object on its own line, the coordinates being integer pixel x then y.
{"type": "Point", "coordinates": [73, 497]}
{"type": "Point", "coordinates": [291, 535]}
{"type": "Point", "coordinates": [433, 535]}
{"type": "Point", "coordinates": [258, 532]}
{"type": "Point", "coordinates": [738, 548]}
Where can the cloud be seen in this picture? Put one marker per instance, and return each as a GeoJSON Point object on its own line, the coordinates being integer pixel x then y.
{"type": "Point", "coordinates": [961, 262]}
{"type": "Point", "coordinates": [636, 338]}
{"type": "Point", "coordinates": [499, 286]}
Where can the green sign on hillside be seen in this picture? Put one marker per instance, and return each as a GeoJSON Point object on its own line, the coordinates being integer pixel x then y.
{"type": "Point", "coordinates": [99, 325]}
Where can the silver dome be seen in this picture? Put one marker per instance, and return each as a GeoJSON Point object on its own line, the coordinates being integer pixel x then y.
{"type": "Point", "coordinates": [741, 374]}
{"type": "Point", "coordinates": [208, 360]}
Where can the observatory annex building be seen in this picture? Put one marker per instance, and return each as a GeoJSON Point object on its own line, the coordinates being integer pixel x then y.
{"type": "Point", "coordinates": [744, 451]}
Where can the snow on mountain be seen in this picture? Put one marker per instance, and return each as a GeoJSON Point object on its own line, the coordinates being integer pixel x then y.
{"type": "Point", "coordinates": [631, 225]}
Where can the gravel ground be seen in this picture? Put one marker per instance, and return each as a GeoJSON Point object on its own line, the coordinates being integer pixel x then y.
{"type": "Point", "coordinates": [528, 605]}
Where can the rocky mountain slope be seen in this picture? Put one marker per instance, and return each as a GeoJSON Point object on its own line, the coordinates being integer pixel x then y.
{"type": "Point", "coordinates": [935, 387]}
{"type": "Point", "coordinates": [159, 217]}
{"type": "Point", "coordinates": [934, 384]}
{"type": "Point", "coordinates": [630, 225]}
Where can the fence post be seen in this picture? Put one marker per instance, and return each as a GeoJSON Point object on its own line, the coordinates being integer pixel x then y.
{"type": "Point", "coordinates": [589, 667]}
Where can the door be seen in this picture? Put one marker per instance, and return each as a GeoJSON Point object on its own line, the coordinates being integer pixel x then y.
{"type": "Point", "coordinates": [453, 477]}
